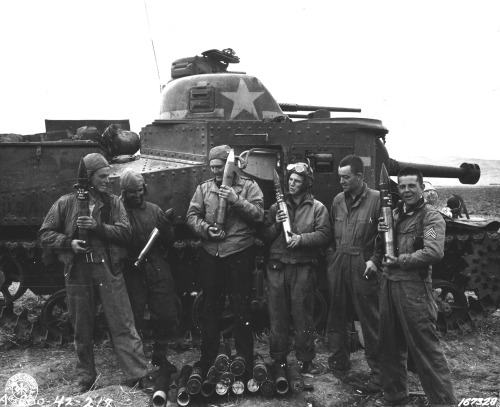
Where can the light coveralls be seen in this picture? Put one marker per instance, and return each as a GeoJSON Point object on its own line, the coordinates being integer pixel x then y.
{"type": "Point", "coordinates": [354, 234]}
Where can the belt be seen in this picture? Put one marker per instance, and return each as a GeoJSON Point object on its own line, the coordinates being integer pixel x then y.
{"type": "Point", "coordinates": [353, 250]}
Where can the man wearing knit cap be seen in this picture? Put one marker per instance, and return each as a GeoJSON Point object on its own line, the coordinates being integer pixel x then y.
{"type": "Point", "coordinates": [227, 256]}
{"type": "Point", "coordinates": [97, 276]}
{"type": "Point", "coordinates": [151, 282]}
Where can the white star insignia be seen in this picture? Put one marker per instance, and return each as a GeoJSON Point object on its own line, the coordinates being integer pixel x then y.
{"type": "Point", "coordinates": [243, 100]}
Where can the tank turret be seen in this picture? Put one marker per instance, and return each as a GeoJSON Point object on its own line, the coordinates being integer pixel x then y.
{"type": "Point", "coordinates": [223, 96]}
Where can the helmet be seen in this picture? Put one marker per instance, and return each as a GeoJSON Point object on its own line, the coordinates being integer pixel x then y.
{"type": "Point", "coordinates": [430, 195]}
{"type": "Point", "coordinates": [94, 162]}
{"type": "Point", "coordinates": [302, 169]}
{"type": "Point", "coordinates": [132, 180]}
{"type": "Point", "coordinates": [428, 186]}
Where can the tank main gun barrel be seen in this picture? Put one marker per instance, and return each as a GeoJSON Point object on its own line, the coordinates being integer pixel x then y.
{"type": "Point", "coordinates": [291, 107]}
{"type": "Point", "coordinates": [467, 173]}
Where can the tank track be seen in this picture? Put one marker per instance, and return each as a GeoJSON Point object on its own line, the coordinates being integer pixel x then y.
{"type": "Point", "coordinates": [483, 266]}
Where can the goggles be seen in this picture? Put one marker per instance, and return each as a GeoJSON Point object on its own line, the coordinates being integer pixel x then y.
{"type": "Point", "coordinates": [299, 168]}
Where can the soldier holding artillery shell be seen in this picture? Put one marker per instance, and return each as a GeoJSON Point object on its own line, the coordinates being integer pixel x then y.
{"type": "Point", "coordinates": [149, 281]}
{"type": "Point", "coordinates": [88, 230]}
{"type": "Point", "coordinates": [408, 309]}
{"type": "Point", "coordinates": [297, 227]}
{"type": "Point", "coordinates": [223, 213]}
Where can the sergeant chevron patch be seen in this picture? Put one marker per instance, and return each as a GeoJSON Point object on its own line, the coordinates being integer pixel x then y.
{"type": "Point", "coordinates": [430, 233]}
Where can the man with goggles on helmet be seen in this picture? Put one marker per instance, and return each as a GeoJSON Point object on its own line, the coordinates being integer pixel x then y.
{"type": "Point", "coordinates": [291, 270]}
{"type": "Point", "coordinates": [352, 271]}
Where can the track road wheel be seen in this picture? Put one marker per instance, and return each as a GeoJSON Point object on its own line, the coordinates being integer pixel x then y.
{"type": "Point", "coordinates": [12, 281]}
{"type": "Point", "coordinates": [452, 305]}
{"type": "Point", "coordinates": [55, 315]}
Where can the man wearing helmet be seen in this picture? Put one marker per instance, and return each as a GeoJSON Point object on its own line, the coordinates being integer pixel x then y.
{"type": "Point", "coordinates": [352, 271]}
{"type": "Point", "coordinates": [227, 256]}
{"type": "Point", "coordinates": [97, 276]}
{"type": "Point", "coordinates": [430, 195]}
{"type": "Point", "coordinates": [291, 270]}
{"type": "Point", "coordinates": [151, 282]}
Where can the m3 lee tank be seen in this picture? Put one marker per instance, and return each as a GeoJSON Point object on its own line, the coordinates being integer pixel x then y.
{"type": "Point", "coordinates": [204, 105]}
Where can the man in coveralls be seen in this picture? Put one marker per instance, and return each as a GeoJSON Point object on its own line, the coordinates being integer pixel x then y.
{"type": "Point", "coordinates": [352, 271]}
{"type": "Point", "coordinates": [291, 270]}
{"type": "Point", "coordinates": [151, 283]}
{"type": "Point", "coordinates": [408, 310]}
{"type": "Point", "coordinates": [99, 277]}
{"type": "Point", "coordinates": [226, 257]}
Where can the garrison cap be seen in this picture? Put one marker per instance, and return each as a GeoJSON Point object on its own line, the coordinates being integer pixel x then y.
{"type": "Point", "coordinates": [94, 162]}
{"type": "Point", "coordinates": [219, 153]}
{"type": "Point", "coordinates": [131, 180]}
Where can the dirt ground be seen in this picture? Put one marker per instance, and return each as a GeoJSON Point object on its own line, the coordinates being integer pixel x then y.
{"type": "Point", "coordinates": [473, 355]}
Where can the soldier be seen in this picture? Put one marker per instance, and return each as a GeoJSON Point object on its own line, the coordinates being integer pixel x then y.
{"type": "Point", "coordinates": [98, 277]}
{"type": "Point", "coordinates": [151, 283]}
{"type": "Point", "coordinates": [291, 270]}
{"type": "Point", "coordinates": [408, 310]}
{"type": "Point", "coordinates": [352, 271]}
{"type": "Point", "coordinates": [226, 256]}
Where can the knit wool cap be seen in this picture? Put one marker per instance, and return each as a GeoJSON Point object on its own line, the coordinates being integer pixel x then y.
{"type": "Point", "coordinates": [131, 180]}
{"type": "Point", "coordinates": [94, 162]}
{"type": "Point", "coordinates": [219, 153]}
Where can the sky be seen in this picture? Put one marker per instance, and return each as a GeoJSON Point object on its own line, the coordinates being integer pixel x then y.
{"type": "Point", "coordinates": [429, 70]}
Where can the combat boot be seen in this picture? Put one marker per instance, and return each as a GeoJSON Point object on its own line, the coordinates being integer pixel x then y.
{"type": "Point", "coordinates": [159, 357]}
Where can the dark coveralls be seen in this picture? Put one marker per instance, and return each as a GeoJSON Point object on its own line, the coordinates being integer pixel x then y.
{"type": "Point", "coordinates": [291, 275]}
{"type": "Point", "coordinates": [354, 233]}
{"type": "Point", "coordinates": [152, 283]}
{"type": "Point", "coordinates": [102, 278]}
{"type": "Point", "coordinates": [226, 265]}
{"type": "Point", "coordinates": [408, 310]}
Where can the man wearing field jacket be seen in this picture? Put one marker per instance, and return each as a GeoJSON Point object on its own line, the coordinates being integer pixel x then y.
{"type": "Point", "coordinates": [408, 310]}
{"type": "Point", "coordinates": [291, 269]}
{"type": "Point", "coordinates": [227, 257]}
{"type": "Point", "coordinates": [352, 271]}
{"type": "Point", "coordinates": [92, 270]}
{"type": "Point", "coordinates": [151, 282]}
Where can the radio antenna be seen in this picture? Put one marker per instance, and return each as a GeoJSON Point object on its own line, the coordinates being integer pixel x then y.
{"type": "Point", "coordinates": [152, 44]}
